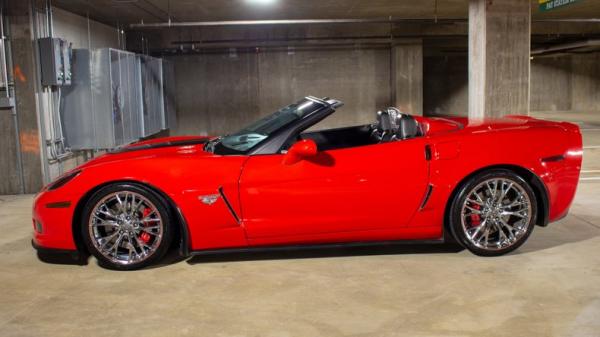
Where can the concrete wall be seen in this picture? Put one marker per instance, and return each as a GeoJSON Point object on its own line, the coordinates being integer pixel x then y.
{"type": "Point", "coordinates": [407, 77]}
{"type": "Point", "coordinates": [566, 83]}
{"type": "Point", "coordinates": [586, 82]}
{"type": "Point", "coordinates": [219, 93]}
{"type": "Point", "coordinates": [74, 28]}
{"type": "Point", "coordinates": [551, 80]}
{"type": "Point", "coordinates": [445, 85]}
{"type": "Point", "coordinates": [561, 83]}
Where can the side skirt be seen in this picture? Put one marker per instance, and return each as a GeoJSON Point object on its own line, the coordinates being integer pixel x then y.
{"type": "Point", "coordinates": [313, 246]}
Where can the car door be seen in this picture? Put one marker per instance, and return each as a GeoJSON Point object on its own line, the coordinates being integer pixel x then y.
{"type": "Point", "coordinates": [365, 188]}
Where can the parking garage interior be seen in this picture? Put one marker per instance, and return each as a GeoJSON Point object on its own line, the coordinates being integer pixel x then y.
{"type": "Point", "coordinates": [183, 67]}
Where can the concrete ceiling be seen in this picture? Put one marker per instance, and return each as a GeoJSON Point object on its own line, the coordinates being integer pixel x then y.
{"type": "Point", "coordinates": [134, 11]}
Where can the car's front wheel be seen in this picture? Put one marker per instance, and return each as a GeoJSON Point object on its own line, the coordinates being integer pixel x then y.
{"type": "Point", "coordinates": [493, 213]}
{"type": "Point", "coordinates": [126, 226]}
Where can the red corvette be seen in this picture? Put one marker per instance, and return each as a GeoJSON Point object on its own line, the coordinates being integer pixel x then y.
{"type": "Point", "coordinates": [274, 184]}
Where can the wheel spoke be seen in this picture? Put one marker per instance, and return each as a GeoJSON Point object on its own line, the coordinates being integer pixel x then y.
{"type": "Point", "coordinates": [480, 203]}
{"type": "Point", "coordinates": [514, 204]}
{"type": "Point", "coordinates": [517, 213]}
{"type": "Point", "coordinates": [142, 245]}
{"type": "Point", "coordinates": [149, 229]}
{"type": "Point", "coordinates": [473, 210]}
{"type": "Point", "coordinates": [494, 191]}
{"type": "Point", "coordinates": [135, 207]}
{"type": "Point", "coordinates": [130, 248]}
{"type": "Point", "coordinates": [478, 229]}
{"type": "Point", "coordinates": [509, 228]}
{"type": "Point", "coordinates": [501, 235]}
{"type": "Point", "coordinates": [486, 235]}
{"type": "Point", "coordinates": [505, 191]}
{"type": "Point", "coordinates": [108, 239]}
{"type": "Point", "coordinates": [107, 213]}
{"type": "Point", "coordinates": [103, 222]}
{"type": "Point", "coordinates": [115, 248]}
{"type": "Point", "coordinates": [121, 208]}
{"type": "Point", "coordinates": [149, 216]}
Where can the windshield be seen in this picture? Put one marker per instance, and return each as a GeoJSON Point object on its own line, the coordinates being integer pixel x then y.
{"type": "Point", "coordinates": [245, 139]}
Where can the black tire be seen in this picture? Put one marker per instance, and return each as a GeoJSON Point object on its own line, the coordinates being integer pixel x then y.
{"type": "Point", "coordinates": [166, 223]}
{"type": "Point", "coordinates": [458, 229]}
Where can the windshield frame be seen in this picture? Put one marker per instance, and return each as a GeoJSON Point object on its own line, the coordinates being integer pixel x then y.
{"type": "Point", "coordinates": [273, 141]}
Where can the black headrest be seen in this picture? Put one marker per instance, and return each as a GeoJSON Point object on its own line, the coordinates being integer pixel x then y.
{"type": "Point", "coordinates": [408, 127]}
{"type": "Point", "coordinates": [384, 120]}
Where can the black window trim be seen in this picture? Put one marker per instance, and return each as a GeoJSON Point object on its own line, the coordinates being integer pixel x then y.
{"type": "Point", "coordinates": [274, 144]}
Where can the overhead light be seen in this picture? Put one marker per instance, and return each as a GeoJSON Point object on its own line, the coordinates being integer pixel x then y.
{"type": "Point", "coordinates": [261, 2]}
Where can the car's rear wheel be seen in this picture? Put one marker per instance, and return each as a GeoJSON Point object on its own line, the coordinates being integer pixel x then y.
{"type": "Point", "coordinates": [126, 226]}
{"type": "Point", "coordinates": [493, 213]}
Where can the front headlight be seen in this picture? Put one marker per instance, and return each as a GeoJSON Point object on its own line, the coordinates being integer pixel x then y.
{"type": "Point", "coordinates": [63, 180]}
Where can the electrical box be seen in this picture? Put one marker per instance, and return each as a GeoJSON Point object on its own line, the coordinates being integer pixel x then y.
{"type": "Point", "coordinates": [66, 53]}
{"type": "Point", "coordinates": [55, 61]}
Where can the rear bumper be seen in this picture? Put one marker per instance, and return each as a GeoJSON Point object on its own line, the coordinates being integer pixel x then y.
{"type": "Point", "coordinates": [562, 176]}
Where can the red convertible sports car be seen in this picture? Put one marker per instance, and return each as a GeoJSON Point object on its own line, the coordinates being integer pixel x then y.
{"type": "Point", "coordinates": [274, 184]}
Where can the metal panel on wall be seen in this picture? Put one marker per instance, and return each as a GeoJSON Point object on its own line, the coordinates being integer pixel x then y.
{"type": "Point", "coordinates": [102, 110]}
{"type": "Point", "coordinates": [77, 114]}
{"type": "Point", "coordinates": [153, 113]}
{"type": "Point", "coordinates": [170, 120]}
{"type": "Point", "coordinates": [126, 93]}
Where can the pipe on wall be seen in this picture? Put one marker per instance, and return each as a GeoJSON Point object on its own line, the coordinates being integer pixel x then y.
{"type": "Point", "coordinates": [170, 24]}
{"type": "Point", "coordinates": [566, 47]}
{"type": "Point", "coordinates": [280, 22]}
{"type": "Point", "coordinates": [39, 93]}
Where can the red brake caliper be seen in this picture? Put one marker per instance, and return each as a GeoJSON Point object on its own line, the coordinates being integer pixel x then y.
{"type": "Point", "coordinates": [475, 218]}
{"type": "Point", "coordinates": [144, 236]}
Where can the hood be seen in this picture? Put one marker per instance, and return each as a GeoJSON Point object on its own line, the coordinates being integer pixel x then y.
{"type": "Point", "coordinates": [162, 142]}
{"type": "Point", "coordinates": [166, 146]}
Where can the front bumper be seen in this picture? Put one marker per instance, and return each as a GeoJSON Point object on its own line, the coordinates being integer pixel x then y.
{"type": "Point", "coordinates": [60, 256]}
{"type": "Point", "coordinates": [52, 221]}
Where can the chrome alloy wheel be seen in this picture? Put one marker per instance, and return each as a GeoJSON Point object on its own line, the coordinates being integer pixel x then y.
{"type": "Point", "coordinates": [496, 214]}
{"type": "Point", "coordinates": [125, 227]}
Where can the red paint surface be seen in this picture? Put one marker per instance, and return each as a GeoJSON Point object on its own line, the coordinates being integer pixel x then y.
{"type": "Point", "coordinates": [371, 192]}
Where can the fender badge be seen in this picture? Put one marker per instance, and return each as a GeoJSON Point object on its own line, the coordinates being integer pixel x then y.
{"type": "Point", "coordinates": [209, 199]}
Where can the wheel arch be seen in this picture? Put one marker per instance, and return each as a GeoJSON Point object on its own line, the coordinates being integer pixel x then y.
{"type": "Point", "coordinates": [541, 193]}
{"type": "Point", "coordinates": [181, 233]}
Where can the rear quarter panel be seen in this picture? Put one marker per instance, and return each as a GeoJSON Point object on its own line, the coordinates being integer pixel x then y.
{"type": "Point", "coordinates": [525, 144]}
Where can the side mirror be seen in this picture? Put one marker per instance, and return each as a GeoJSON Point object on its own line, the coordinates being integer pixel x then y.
{"type": "Point", "coordinates": [302, 149]}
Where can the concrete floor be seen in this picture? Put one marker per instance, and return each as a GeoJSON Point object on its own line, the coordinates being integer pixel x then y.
{"type": "Point", "coordinates": [549, 287]}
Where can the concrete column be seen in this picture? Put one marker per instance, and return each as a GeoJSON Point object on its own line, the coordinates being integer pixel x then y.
{"type": "Point", "coordinates": [407, 76]}
{"type": "Point", "coordinates": [499, 48]}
